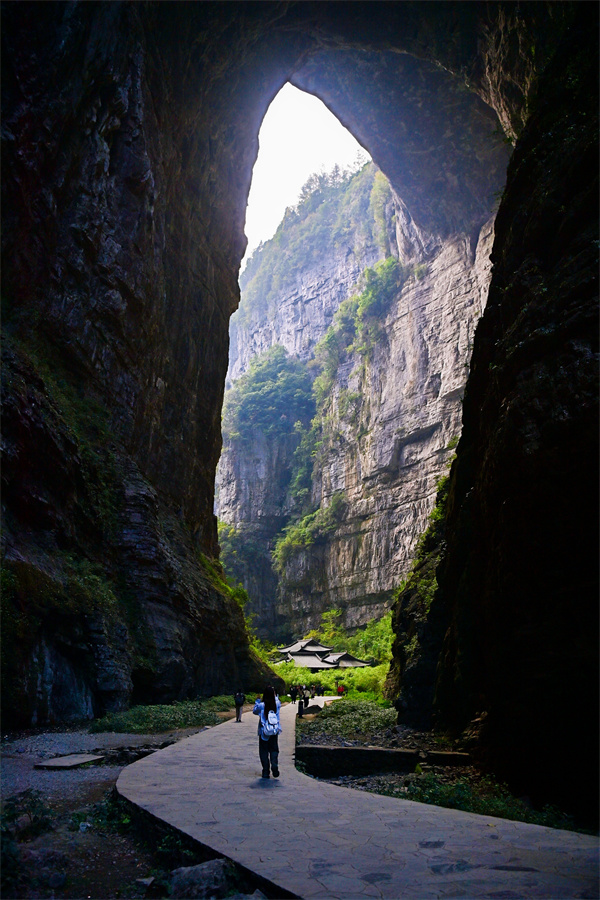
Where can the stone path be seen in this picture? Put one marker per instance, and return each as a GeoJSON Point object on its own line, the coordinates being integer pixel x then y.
{"type": "Point", "coordinates": [317, 840]}
{"type": "Point", "coordinates": [69, 762]}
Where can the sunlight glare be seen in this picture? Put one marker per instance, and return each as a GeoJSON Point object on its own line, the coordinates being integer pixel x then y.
{"type": "Point", "coordinates": [298, 136]}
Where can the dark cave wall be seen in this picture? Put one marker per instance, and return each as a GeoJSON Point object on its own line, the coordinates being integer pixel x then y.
{"type": "Point", "coordinates": [512, 632]}
{"type": "Point", "coordinates": [123, 213]}
{"type": "Point", "coordinates": [519, 577]}
{"type": "Point", "coordinates": [121, 241]}
{"type": "Point", "coordinates": [129, 133]}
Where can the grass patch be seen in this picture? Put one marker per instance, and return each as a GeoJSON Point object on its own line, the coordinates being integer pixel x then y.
{"type": "Point", "coordinates": [159, 718]}
{"type": "Point", "coordinates": [484, 795]}
{"type": "Point", "coordinates": [350, 718]}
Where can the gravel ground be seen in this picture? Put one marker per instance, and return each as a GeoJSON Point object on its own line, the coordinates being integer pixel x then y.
{"type": "Point", "coordinates": [90, 861]}
{"type": "Point", "coordinates": [20, 754]}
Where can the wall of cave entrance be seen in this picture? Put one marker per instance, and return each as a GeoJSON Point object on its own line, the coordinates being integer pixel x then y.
{"type": "Point", "coordinates": [129, 135]}
{"type": "Point", "coordinates": [411, 383]}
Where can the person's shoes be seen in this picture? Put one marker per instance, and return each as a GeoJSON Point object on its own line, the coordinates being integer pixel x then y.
{"type": "Point", "coordinates": [265, 776]}
{"type": "Point", "coordinates": [275, 773]}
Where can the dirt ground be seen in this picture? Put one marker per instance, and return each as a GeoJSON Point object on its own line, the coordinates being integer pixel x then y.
{"type": "Point", "coordinates": [90, 849]}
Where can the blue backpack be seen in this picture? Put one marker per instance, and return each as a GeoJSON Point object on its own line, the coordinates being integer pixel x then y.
{"type": "Point", "coordinates": [270, 725]}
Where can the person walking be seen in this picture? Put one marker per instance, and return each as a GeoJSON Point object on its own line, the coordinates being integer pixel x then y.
{"type": "Point", "coordinates": [293, 693]}
{"type": "Point", "coordinates": [239, 700]}
{"type": "Point", "coordinates": [306, 693]}
{"type": "Point", "coordinates": [268, 745]}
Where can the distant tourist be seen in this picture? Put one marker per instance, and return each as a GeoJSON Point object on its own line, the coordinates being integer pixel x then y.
{"type": "Point", "coordinates": [269, 727]}
{"type": "Point", "coordinates": [306, 694]}
{"type": "Point", "coordinates": [239, 699]}
{"type": "Point", "coordinates": [293, 693]}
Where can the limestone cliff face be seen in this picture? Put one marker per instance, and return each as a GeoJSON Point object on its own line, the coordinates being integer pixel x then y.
{"type": "Point", "coordinates": [303, 312]}
{"type": "Point", "coordinates": [388, 445]}
{"type": "Point", "coordinates": [390, 421]}
{"type": "Point", "coordinates": [253, 496]}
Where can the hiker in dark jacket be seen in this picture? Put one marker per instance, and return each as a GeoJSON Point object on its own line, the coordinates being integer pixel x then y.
{"type": "Point", "coordinates": [239, 700]}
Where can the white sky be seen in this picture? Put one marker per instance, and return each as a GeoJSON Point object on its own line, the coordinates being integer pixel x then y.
{"type": "Point", "coordinates": [298, 136]}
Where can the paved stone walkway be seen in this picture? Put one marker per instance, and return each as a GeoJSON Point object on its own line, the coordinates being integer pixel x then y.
{"type": "Point", "coordinates": [318, 840]}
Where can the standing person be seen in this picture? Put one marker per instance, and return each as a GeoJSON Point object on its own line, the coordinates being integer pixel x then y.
{"type": "Point", "coordinates": [306, 693]}
{"type": "Point", "coordinates": [239, 700]}
{"type": "Point", "coordinates": [268, 744]}
{"type": "Point", "coordinates": [293, 693]}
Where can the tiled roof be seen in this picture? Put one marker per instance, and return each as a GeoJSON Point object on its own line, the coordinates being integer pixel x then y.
{"type": "Point", "coordinates": [310, 661]}
{"type": "Point", "coordinates": [309, 645]}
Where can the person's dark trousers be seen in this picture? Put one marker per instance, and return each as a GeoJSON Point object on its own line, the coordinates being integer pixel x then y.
{"type": "Point", "coordinates": [238, 713]}
{"type": "Point", "coordinates": [269, 750]}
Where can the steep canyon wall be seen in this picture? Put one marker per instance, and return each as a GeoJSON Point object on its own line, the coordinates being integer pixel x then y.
{"type": "Point", "coordinates": [129, 133]}
{"type": "Point", "coordinates": [392, 421]}
{"type": "Point", "coordinates": [386, 429]}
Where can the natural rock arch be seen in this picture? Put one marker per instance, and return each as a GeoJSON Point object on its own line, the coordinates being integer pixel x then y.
{"type": "Point", "coordinates": [129, 134]}
{"type": "Point", "coordinates": [151, 151]}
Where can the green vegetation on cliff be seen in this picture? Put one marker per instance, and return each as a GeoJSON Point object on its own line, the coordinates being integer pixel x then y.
{"type": "Point", "coordinates": [355, 329]}
{"type": "Point", "coordinates": [356, 325]}
{"type": "Point", "coordinates": [272, 396]}
{"type": "Point", "coordinates": [412, 617]}
{"type": "Point", "coordinates": [335, 208]}
{"type": "Point", "coordinates": [311, 529]}
{"type": "Point", "coordinates": [239, 550]}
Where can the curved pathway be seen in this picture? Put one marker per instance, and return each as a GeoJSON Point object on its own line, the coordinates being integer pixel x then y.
{"type": "Point", "coordinates": [317, 840]}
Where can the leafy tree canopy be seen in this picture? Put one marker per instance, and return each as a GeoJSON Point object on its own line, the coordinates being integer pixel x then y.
{"type": "Point", "coordinates": [373, 641]}
{"type": "Point", "coordinates": [274, 394]}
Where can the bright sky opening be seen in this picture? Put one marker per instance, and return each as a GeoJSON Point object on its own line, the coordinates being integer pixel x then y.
{"type": "Point", "coordinates": [298, 136]}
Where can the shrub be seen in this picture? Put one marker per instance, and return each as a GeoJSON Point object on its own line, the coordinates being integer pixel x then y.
{"type": "Point", "coordinates": [30, 806]}
{"type": "Point", "coordinates": [359, 682]}
{"type": "Point", "coordinates": [311, 529]}
{"type": "Point", "coordinates": [159, 718]}
{"type": "Point", "coordinates": [485, 796]}
{"type": "Point", "coordinates": [381, 195]}
{"type": "Point", "coordinates": [351, 717]}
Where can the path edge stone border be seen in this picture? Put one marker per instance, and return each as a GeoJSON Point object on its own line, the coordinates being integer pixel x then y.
{"type": "Point", "coordinates": [153, 829]}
